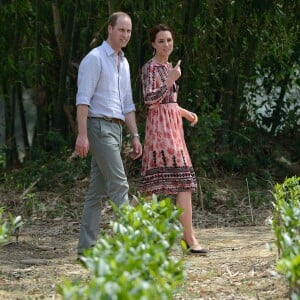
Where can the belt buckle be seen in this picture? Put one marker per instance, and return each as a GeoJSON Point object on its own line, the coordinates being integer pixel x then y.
{"type": "Point", "coordinates": [113, 120]}
{"type": "Point", "coordinates": [118, 121]}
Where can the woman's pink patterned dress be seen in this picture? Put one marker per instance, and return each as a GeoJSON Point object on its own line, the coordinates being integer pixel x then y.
{"type": "Point", "coordinates": [166, 164]}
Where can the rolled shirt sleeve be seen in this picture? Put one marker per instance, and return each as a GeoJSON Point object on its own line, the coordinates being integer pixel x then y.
{"type": "Point", "coordinates": [88, 76]}
{"type": "Point", "coordinates": [129, 105]}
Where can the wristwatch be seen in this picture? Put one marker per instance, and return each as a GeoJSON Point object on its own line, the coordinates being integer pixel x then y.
{"type": "Point", "coordinates": [135, 135]}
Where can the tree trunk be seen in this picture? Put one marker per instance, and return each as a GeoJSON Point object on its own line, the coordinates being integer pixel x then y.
{"type": "Point", "coordinates": [277, 113]}
{"type": "Point", "coordinates": [10, 139]}
{"type": "Point", "coordinates": [40, 92]}
{"type": "Point", "coordinates": [23, 122]}
{"type": "Point", "coordinates": [60, 123]}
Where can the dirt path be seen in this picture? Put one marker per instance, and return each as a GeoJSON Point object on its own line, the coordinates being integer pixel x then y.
{"type": "Point", "coordinates": [239, 266]}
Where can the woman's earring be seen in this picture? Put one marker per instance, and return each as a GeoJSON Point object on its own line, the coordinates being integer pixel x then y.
{"type": "Point", "coordinates": [154, 51]}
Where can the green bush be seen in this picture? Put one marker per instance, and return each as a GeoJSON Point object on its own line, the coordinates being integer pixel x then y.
{"type": "Point", "coordinates": [286, 226]}
{"type": "Point", "coordinates": [7, 226]}
{"type": "Point", "coordinates": [134, 262]}
{"type": "Point", "coordinates": [52, 171]}
{"type": "Point", "coordinates": [202, 138]}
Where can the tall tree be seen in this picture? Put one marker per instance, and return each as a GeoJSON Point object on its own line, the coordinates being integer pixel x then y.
{"type": "Point", "coordinates": [225, 47]}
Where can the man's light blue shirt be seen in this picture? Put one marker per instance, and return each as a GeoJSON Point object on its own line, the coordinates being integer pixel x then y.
{"type": "Point", "coordinates": [103, 85]}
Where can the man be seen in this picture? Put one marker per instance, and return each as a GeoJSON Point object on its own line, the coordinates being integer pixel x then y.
{"type": "Point", "coordinates": [104, 102]}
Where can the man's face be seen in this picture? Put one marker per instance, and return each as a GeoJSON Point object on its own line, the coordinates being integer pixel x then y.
{"type": "Point", "coordinates": [120, 34]}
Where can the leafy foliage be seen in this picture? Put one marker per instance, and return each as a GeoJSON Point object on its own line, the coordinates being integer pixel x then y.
{"type": "Point", "coordinates": [240, 70]}
{"type": "Point", "coordinates": [134, 262]}
{"type": "Point", "coordinates": [8, 226]}
{"type": "Point", "coordinates": [286, 226]}
{"type": "Point", "coordinates": [51, 170]}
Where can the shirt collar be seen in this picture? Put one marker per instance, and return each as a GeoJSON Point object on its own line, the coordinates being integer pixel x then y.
{"type": "Point", "coordinates": [110, 51]}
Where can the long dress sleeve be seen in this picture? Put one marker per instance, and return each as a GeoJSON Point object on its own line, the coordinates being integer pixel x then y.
{"type": "Point", "coordinates": [154, 85]}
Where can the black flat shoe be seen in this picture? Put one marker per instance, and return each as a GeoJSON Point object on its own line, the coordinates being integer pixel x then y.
{"type": "Point", "coordinates": [186, 248]}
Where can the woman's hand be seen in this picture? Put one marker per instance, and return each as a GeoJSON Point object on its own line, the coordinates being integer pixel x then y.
{"type": "Point", "coordinates": [194, 119]}
{"type": "Point", "coordinates": [190, 116]}
{"type": "Point", "coordinates": [173, 74]}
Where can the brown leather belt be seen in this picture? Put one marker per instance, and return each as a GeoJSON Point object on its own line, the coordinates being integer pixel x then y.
{"type": "Point", "coordinates": [111, 120]}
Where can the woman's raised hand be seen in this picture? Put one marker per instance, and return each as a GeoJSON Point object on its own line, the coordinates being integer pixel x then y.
{"type": "Point", "coordinates": [174, 74]}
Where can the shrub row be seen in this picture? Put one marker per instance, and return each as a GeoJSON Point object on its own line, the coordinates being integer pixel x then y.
{"type": "Point", "coordinates": [134, 261]}
{"type": "Point", "coordinates": [286, 227]}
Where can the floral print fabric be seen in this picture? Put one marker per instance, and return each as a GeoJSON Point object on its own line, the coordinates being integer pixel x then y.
{"type": "Point", "coordinates": [166, 164]}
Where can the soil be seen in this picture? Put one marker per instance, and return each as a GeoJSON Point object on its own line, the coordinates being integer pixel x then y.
{"type": "Point", "coordinates": [240, 264]}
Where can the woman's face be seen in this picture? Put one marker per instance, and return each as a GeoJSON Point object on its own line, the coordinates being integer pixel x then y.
{"type": "Point", "coordinates": [163, 43]}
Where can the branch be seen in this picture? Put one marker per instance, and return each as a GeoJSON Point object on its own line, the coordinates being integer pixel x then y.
{"type": "Point", "coordinates": [57, 28]}
{"type": "Point", "coordinates": [30, 187]}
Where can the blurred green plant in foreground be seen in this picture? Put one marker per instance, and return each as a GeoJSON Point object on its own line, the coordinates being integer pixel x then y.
{"type": "Point", "coordinates": [286, 227]}
{"type": "Point", "coordinates": [9, 226]}
{"type": "Point", "coordinates": [134, 262]}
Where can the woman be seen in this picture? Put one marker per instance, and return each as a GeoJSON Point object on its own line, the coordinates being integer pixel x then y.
{"type": "Point", "coordinates": [166, 164]}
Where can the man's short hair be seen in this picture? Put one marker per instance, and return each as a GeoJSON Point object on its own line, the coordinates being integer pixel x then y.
{"type": "Point", "coordinates": [112, 20]}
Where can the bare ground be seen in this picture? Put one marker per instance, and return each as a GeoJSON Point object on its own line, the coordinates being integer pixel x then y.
{"type": "Point", "coordinates": [240, 264]}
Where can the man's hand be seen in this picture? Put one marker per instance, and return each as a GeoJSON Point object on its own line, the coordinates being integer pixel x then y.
{"type": "Point", "coordinates": [82, 146]}
{"type": "Point", "coordinates": [137, 149]}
